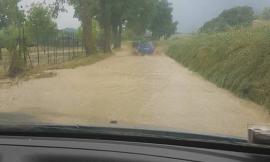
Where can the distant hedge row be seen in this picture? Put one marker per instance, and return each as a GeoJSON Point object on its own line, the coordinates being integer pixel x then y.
{"type": "Point", "coordinates": [237, 60]}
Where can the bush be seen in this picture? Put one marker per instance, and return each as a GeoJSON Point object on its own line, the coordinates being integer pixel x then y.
{"type": "Point", "coordinates": [238, 60]}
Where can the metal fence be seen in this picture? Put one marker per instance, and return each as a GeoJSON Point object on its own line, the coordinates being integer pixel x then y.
{"type": "Point", "coordinates": [62, 47]}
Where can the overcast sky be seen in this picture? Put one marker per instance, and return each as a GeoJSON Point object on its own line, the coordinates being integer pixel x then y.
{"type": "Point", "coordinates": [191, 14]}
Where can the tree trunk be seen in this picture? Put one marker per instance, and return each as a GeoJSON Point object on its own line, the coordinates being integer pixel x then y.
{"type": "Point", "coordinates": [107, 40]}
{"type": "Point", "coordinates": [1, 57]}
{"type": "Point", "coordinates": [120, 35]}
{"type": "Point", "coordinates": [106, 25]}
{"type": "Point", "coordinates": [88, 37]}
{"type": "Point", "coordinates": [86, 21]}
{"type": "Point", "coordinates": [17, 65]}
{"type": "Point", "coordinates": [117, 34]}
{"type": "Point", "coordinates": [38, 51]}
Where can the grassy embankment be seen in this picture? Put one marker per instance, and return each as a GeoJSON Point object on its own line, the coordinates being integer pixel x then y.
{"type": "Point", "coordinates": [237, 60]}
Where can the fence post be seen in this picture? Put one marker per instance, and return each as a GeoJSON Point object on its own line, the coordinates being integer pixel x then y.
{"type": "Point", "coordinates": [69, 39]}
{"type": "Point", "coordinates": [38, 50]}
{"type": "Point", "coordinates": [82, 47]}
{"type": "Point", "coordinates": [48, 50]}
{"type": "Point", "coordinates": [44, 48]}
{"type": "Point", "coordinates": [30, 60]}
{"type": "Point", "coordinates": [24, 46]}
{"type": "Point", "coordinates": [55, 49]}
{"type": "Point", "coordinates": [73, 45]}
{"type": "Point", "coordinates": [63, 46]}
{"type": "Point", "coordinates": [77, 46]}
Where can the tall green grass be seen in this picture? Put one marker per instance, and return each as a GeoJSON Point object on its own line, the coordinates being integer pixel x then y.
{"type": "Point", "coordinates": [237, 60]}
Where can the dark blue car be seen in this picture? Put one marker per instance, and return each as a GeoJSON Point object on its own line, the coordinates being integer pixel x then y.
{"type": "Point", "coordinates": [146, 48]}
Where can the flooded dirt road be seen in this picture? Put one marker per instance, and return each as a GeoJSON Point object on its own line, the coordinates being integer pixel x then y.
{"type": "Point", "coordinates": [132, 90]}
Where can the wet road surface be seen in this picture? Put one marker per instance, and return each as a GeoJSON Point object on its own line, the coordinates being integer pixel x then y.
{"type": "Point", "coordinates": [131, 90]}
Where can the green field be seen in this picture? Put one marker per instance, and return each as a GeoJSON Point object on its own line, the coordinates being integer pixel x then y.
{"type": "Point", "coordinates": [238, 60]}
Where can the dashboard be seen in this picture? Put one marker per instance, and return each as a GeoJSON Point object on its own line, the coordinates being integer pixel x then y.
{"type": "Point", "coordinates": [50, 149]}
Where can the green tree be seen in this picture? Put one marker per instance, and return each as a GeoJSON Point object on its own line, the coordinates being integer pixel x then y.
{"type": "Point", "coordinates": [9, 12]}
{"type": "Point", "coordinates": [238, 16]}
{"type": "Point", "coordinates": [9, 38]}
{"type": "Point", "coordinates": [162, 24]}
{"type": "Point", "coordinates": [231, 18]}
{"type": "Point", "coordinates": [116, 16]}
{"type": "Point", "coordinates": [266, 13]}
{"type": "Point", "coordinates": [11, 21]}
{"type": "Point", "coordinates": [8, 15]}
{"type": "Point", "coordinates": [40, 25]}
{"type": "Point", "coordinates": [85, 10]}
{"type": "Point", "coordinates": [105, 20]}
{"type": "Point", "coordinates": [215, 25]}
{"type": "Point", "coordinates": [95, 30]}
{"type": "Point", "coordinates": [119, 10]}
{"type": "Point", "coordinates": [140, 16]}
{"type": "Point", "coordinates": [132, 16]}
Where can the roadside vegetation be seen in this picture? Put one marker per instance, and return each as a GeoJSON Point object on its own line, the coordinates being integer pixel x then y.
{"type": "Point", "coordinates": [104, 24]}
{"type": "Point", "coordinates": [236, 58]}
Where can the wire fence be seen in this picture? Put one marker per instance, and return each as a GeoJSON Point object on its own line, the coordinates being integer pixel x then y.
{"type": "Point", "coordinates": [62, 47]}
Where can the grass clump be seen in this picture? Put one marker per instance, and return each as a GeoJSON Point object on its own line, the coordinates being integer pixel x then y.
{"type": "Point", "coordinates": [237, 60]}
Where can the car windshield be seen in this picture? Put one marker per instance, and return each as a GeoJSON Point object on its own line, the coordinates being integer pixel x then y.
{"type": "Point", "coordinates": [197, 66]}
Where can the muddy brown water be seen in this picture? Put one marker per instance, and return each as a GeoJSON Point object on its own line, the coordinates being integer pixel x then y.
{"type": "Point", "coordinates": [131, 90]}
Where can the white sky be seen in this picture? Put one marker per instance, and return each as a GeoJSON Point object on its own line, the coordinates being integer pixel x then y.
{"type": "Point", "coordinates": [190, 14]}
{"type": "Point", "coordinates": [64, 19]}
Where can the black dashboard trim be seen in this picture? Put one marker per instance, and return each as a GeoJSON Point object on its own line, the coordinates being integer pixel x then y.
{"type": "Point", "coordinates": [102, 150]}
{"type": "Point", "coordinates": [244, 148]}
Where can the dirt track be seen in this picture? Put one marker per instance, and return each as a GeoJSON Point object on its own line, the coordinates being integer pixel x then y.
{"type": "Point", "coordinates": [144, 90]}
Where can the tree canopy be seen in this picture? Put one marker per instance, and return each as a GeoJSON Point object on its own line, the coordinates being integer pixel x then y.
{"type": "Point", "coordinates": [11, 18]}
{"type": "Point", "coordinates": [162, 24]}
{"type": "Point", "coordinates": [9, 12]}
{"type": "Point", "coordinates": [266, 13]}
{"type": "Point", "coordinates": [39, 24]}
{"type": "Point", "coordinates": [118, 16]}
{"type": "Point", "coordinates": [231, 18]}
{"type": "Point", "coordinates": [103, 23]}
